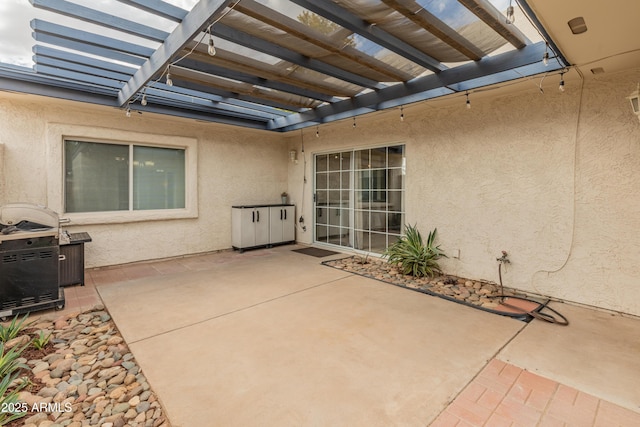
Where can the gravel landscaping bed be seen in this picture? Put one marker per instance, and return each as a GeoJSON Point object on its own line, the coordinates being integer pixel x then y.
{"type": "Point", "coordinates": [86, 376]}
{"type": "Point", "coordinates": [478, 293]}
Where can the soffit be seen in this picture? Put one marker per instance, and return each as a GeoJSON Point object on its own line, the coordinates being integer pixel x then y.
{"type": "Point", "coordinates": [612, 38]}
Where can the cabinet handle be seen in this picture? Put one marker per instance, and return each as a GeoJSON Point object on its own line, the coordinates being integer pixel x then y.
{"type": "Point", "coordinates": [285, 214]}
{"type": "Point", "coordinates": [253, 216]}
{"type": "Point", "coordinates": [280, 214]}
{"type": "Point", "coordinates": [258, 214]}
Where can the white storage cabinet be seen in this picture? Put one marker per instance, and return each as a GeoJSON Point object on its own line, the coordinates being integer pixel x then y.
{"type": "Point", "coordinates": [282, 224]}
{"type": "Point", "coordinates": [254, 226]}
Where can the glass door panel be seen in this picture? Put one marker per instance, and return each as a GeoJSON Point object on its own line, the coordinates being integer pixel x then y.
{"type": "Point", "coordinates": [333, 198]}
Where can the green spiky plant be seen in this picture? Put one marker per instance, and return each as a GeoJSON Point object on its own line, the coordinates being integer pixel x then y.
{"type": "Point", "coordinates": [413, 256]}
{"type": "Point", "coordinates": [12, 330]}
{"type": "Point", "coordinates": [10, 367]}
{"type": "Point", "coordinates": [41, 340]}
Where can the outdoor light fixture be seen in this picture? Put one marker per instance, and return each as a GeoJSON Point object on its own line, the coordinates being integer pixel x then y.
{"type": "Point", "coordinates": [211, 50]}
{"type": "Point", "coordinates": [510, 16]}
{"type": "Point", "coordinates": [634, 98]}
{"type": "Point", "coordinates": [293, 156]}
{"type": "Point", "coordinates": [577, 25]}
{"type": "Point", "coordinates": [545, 57]}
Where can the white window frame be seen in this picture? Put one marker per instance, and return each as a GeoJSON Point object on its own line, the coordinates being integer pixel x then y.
{"type": "Point", "coordinates": [58, 133]}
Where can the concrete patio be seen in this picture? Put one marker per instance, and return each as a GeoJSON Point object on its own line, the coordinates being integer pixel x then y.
{"type": "Point", "coordinates": [272, 337]}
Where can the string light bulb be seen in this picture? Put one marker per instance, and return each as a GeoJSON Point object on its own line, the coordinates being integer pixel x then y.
{"type": "Point", "coordinates": [354, 122]}
{"type": "Point", "coordinates": [169, 80]}
{"type": "Point", "coordinates": [402, 113]}
{"type": "Point", "coordinates": [468, 102]}
{"type": "Point", "coordinates": [545, 57]}
{"type": "Point", "coordinates": [144, 101]}
{"type": "Point", "coordinates": [211, 50]}
{"type": "Point", "coordinates": [510, 14]}
{"type": "Point", "coordinates": [128, 112]}
{"type": "Point", "coordinates": [561, 86]}
{"type": "Point", "coordinates": [317, 131]}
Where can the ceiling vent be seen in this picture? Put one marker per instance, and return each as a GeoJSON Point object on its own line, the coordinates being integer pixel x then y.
{"type": "Point", "coordinates": [577, 25]}
{"type": "Point", "coordinates": [597, 70]}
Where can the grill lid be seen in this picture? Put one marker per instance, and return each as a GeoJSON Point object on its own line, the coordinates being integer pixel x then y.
{"type": "Point", "coordinates": [28, 217]}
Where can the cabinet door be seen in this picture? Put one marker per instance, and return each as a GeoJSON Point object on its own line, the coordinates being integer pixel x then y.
{"type": "Point", "coordinates": [262, 226]}
{"type": "Point", "coordinates": [247, 228]}
{"type": "Point", "coordinates": [289, 223]}
{"type": "Point", "coordinates": [276, 214]}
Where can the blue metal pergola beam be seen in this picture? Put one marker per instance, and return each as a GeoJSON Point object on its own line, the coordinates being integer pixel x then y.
{"type": "Point", "coordinates": [92, 39]}
{"type": "Point", "coordinates": [247, 40]}
{"type": "Point", "coordinates": [247, 78]}
{"type": "Point", "coordinates": [93, 16]}
{"type": "Point", "coordinates": [201, 116]}
{"type": "Point", "coordinates": [205, 99]}
{"type": "Point", "coordinates": [78, 76]}
{"type": "Point", "coordinates": [88, 49]}
{"type": "Point", "coordinates": [25, 80]}
{"type": "Point", "coordinates": [158, 8]}
{"type": "Point", "coordinates": [77, 63]}
{"type": "Point", "coordinates": [85, 69]}
{"type": "Point", "coordinates": [204, 13]}
{"type": "Point", "coordinates": [419, 89]}
{"type": "Point", "coordinates": [20, 79]}
{"type": "Point", "coordinates": [62, 55]}
{"type": "Point", "coordinates": [96, 44]}
{"type": "Point", "coordinates": [199, 87]}
{"type": "Point", "coordinates": [244, 39]}
{"type": "Point", "coordinates": [346, 19]}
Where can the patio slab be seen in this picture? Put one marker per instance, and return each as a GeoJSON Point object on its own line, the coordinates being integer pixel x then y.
{"type": "Point", "coordinates": [282, 340]}
{"type": "Point", "coordinates": [209, 286]}
{"type": "Point", "coordinates": [597, 353]}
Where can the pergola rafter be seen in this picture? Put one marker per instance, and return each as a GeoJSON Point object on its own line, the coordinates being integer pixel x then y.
{"type": "Point", "coordinates": [276, 68]}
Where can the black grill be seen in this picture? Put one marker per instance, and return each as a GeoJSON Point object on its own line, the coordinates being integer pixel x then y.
{"type": "Point", "coordinates": [29, 269]}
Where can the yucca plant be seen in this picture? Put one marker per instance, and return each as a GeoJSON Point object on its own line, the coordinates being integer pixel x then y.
{"type": "Point", "coordinates": [10, 366]}
{"type": "Point", "coordinates": [412, 256]}
{"type": "Point", "coordinates": [13, 329]}
{"type": "Point", "coordinates": [41, 340]}
{"type": "Point", "coordinates": [10, 360]}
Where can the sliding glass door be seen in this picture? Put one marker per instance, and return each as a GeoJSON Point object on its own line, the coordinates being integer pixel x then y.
{"type": "Point", "coordinates": [359, 197]}
{"type": "Point", "coordinates": [333, 197]}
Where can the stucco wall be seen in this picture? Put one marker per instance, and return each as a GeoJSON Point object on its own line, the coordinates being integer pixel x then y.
{"type": "Point", "coordinates": [235, 166]}
{"type": "Point", "coordinates": [552, 179]}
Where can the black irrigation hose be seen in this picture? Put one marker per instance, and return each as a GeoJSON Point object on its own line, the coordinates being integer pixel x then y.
{"type": "Point", "coordinates": [558, 319]}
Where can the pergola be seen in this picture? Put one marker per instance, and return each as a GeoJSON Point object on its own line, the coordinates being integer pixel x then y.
{"type": "Point", "coordinates": [279, 65]}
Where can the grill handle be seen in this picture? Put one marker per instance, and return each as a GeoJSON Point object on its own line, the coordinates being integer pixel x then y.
{"type": "Point", "coordinates": [62, 257]}
{"type": "Point", "coordinates": [64, 220]}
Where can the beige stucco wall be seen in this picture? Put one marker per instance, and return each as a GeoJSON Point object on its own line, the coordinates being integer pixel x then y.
{"type": "Point", "coordinates": [552, 179]}
{"type": "Point", "coordinates": [235, 166]}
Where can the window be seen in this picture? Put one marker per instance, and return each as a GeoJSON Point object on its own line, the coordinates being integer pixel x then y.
{"type": "Point", "coordinates": [106, 177]}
